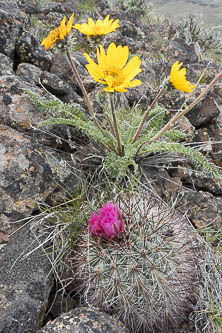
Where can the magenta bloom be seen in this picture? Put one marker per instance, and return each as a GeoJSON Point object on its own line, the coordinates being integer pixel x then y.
{"type": "Point", "coordinates": [109, 221]}
{"type": "Point", "coordinates": [94, 224]}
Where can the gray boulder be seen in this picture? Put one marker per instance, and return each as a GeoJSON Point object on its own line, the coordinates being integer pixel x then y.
{"type": "Point", "coordinates": [84, 320]}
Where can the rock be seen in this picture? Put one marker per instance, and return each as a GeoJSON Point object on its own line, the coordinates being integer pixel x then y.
{"type": "Point", "coordinates": [12, 85]}
{"type": "Point", "coordinates": [6, 65]}
{"type": "Point", "coordinates": [28, 49]}
{"type": "Point", "coordinates": [29, 73]}
{"type": "Point", "coordinates": [29, 173]}
{"type": "Point", "coordinates": [25, 282]}
{"type": "Point", "coordinates": [128, 29]}
{"type": "Point", "coordinates": [83, 320]}
{"type": "Point", "coordinates": [197, 197]}
{"type": "Point", "coordinates": [78, 56]}
{"type": "Point", "coordinates": [204, 112]}
{"type": "Point", "coordinates": [30, 6]}
{"type": "Point", "coordinates": [12, 8]}
{"type": "Point", "coordinates": [62, 68]}
{"type": "Point", "coordinates": [215, 132]}
{"type": "Point", "coordinates": [18, 112]}
{"type": "Point", "coordinates": [59, 88]}
{"type": "Point", "coordinates": [12, 21]}
{"type": "Point", "coordinates": [178, 49]}
{"type": "Point", "coordinates": [51, 6]}
{"type": "Point", "coordinates": [102, 4]}
{"type": "Point", "coordinates": [202, 209]}
{"type": "Point", "coordinates": [187, 128]}
{"type": "Point", "coordinates": [9, 35]}
{"type": "Point", "coordinates": [171, 100]}
{"type": "Point", "coordinates": [138, 96]}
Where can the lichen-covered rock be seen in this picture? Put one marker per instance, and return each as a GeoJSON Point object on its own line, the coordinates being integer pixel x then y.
{"type": "Point", "coordinates": [12, 20]}
{"type": "Point", "coordinates": [29, 73]}
{"type": "Point", "coordinates": [12, 85]}
{"type": "Point", "coordinates": [84, 320]}
{"type": "Point", "coordinates": [29, 173]}
{"type": "Point", "coordinates": [59, 88]}
{"type": "Point", "coordinates": [62, 68]}
{"type": "Point", "coordinates": [28, 49]}
{"type": "Point", "coordinates": [6, 65]}
{"type": "Point", "coordinates": [18, 112]}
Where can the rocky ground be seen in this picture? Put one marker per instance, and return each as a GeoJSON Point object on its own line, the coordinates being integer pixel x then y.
{"type": "Point", "coordinates": [38, 165]}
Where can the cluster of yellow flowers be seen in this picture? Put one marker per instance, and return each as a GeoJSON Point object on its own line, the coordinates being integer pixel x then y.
{"type": "Point", "coordinates": [112, 68]}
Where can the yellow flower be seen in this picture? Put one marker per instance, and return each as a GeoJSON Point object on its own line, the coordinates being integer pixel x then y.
{"type": "Point", "coordinates": [58, 33]}
{"type": "Point", "coordinates": [178, 78]}
{"type": "Point", "coordinates": [112, 69]}
{"type": "Point", "coordinates": [99, 28]}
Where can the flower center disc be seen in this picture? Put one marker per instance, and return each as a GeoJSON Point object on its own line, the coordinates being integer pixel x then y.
{"type": "Point", "coordinates": [113, 76]}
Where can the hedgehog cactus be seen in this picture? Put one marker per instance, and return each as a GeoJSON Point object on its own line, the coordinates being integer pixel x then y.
{"type": "Point", "coordinates": [147, 275]}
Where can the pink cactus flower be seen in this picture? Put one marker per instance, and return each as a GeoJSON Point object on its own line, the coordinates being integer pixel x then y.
{"type": "Point", "coordinates": [95, 225]}
{"type": "Point", "coordinates": [108, 222]}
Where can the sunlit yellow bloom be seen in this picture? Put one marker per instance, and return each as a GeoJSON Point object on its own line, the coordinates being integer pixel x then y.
{"type": "Point", "coordinates": [112, 69]}
{"type": "Point", "coordinates": [178, 78]}
{"type": "Point", "coordinates": [58, 33]}
{"type": "Point", "coordinates": [99, 28]}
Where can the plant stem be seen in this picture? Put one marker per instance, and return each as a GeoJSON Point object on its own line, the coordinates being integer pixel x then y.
{"type": "Point", "coordinates": [110, 125]}
{"type": "Point", "coordinates": [182, 113]}
{"type": "Point", "coordinates": [115, 127]}
{"type": "Point", "coordinates": [83, 91]}
{"type": "Point", "coordinates": [146, 115]}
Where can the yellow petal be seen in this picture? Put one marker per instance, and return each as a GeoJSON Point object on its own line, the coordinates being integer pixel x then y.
{"type": "Point", "coordinates": [77, 26]}
{"type": "Point", "coordinates": [91, 22]}
{"type": "Point", "coordinates": [102, 58]}
{"type": "Point", "coordinates": [132, 67]}
{"type": "Point", "coordinates": [69, 24]}
{"type": "Point", "coordinates": [122, 59]}
{"type": "Point", "coordinates": [134, 83]}
{"type": "Point", "coordinates": [111, 55]}
{"type": "Point", "coordinates": [106, 19]}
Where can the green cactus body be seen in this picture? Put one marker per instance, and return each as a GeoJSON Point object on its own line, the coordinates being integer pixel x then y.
{"type": "Point", "coordinates": [147, 276]}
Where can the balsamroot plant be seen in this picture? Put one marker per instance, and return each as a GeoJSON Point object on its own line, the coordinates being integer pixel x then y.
{"type": "Point", "coordinates": [146, 274]}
